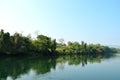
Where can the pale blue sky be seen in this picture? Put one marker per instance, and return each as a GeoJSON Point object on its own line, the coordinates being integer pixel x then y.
{"type": "Point", "coordinates": [95, 21]}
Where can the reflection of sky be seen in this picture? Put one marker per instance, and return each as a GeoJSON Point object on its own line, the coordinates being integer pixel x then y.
{"type": "Point", "coordinates": [30, 76]}
{"type": "Point", "coordinates": [108, 69]}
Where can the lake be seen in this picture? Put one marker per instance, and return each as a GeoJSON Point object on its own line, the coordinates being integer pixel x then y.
{"type": "Point", "coordinates": [60, 68]}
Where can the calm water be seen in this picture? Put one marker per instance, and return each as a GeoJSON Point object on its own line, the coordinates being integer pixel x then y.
{"type": "Point", "coordinates": [61, 68]}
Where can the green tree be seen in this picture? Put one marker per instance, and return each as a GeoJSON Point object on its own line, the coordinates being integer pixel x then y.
{"type": "Point", "coordinates": [44, 45]}
{"type": "Point", "coordinates": [22, 44]}
{"type": "Point", "coordinates": [5, 42]}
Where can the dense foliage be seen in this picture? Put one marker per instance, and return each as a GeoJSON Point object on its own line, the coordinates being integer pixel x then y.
{"type": "Point", "coordinates": [18, 44]}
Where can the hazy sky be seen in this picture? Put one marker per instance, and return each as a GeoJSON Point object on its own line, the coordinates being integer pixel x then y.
{"type": "Point", "coordinates": [95, 21]}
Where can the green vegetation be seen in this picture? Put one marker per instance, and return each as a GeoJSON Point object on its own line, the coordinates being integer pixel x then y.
{"type": "Point", "coordinates": [18, 44]}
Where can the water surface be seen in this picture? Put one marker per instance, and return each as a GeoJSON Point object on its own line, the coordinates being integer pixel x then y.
{"type": "Point", "coordinates": [60, 68]}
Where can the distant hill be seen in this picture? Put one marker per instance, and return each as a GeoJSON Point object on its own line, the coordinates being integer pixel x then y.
{"type": "Point", "coordinates": [114, 46]}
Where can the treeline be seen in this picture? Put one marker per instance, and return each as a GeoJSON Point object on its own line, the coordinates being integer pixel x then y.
{"type": "Point", "coordinates": [84, 49]}
{"type": "Point", "coordinates": [17, 44]}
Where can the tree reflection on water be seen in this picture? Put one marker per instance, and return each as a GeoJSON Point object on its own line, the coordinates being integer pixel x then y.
{"type": "Point", "coordinates": [16, 66]}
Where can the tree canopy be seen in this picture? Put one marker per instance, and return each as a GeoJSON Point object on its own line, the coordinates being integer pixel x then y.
{"type": "Point", "coordinates": [17, 44]}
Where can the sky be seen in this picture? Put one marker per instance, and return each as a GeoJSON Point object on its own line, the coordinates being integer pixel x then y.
{"type": "Point", "coordinates": [92, 21]}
